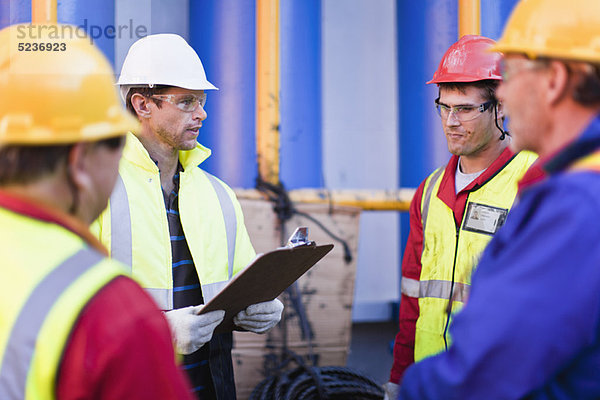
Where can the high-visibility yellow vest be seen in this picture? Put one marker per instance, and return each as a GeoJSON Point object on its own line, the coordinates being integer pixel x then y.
{"type": "Point", "coordinates": [135, 229]}
{"type": "Point", "coordinates": [450, 252]}
{"type": "Point", "coordinates": [48, 275]}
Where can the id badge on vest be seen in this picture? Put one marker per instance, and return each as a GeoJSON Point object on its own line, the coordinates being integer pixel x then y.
{"type": "Point", "coordinates": [484, 219]}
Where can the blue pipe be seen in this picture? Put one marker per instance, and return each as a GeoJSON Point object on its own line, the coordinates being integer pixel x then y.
{"type": "Point", "coordinates": [300, 102]}
{"type": "Point", "coordinates": [14, 12]}
{"type": "Point", "coordinates": [223, 33]}
{"type": "Point", "coordinates": [425, 31]}
{"type": "Point", "coordinates": [96, 17]}
{"type": "Point", "coordinates": [494, 15]}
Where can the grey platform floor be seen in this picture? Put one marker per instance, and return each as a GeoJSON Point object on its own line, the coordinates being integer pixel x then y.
{"type": "Point", "coordinates": [370, 352]}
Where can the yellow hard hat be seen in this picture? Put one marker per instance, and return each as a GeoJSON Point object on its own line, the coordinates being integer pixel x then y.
{"type": "Point", "coordinates": [56, 87]}
{"type": "Point", "coordinates": [555, 29]}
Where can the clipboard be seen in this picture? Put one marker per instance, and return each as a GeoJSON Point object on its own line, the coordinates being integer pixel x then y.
{"type": "Point", "coordinates": [264, 279]}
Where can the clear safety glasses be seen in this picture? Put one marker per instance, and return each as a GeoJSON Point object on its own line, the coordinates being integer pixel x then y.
{"type": "Point", "coordinates": [185, 102]}
{"type": "Point", "coordinates": [463, 113]}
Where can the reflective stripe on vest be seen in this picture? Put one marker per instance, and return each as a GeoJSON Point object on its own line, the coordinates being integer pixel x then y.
{"type": "Point", "coordinates": [229, 216]}
{"type": "Point", "coordinates": [427, 199]}
{"type": "Point", "coordinates": [435, 288]}
{"type": "Point", "coordinates": [121, 238]}
{"type": "Point", "coordinates": [22, 339]}
{"type": "Point", "coordinates": [120, 243]}
{"type": "Point", "coordinates": [162, 297]}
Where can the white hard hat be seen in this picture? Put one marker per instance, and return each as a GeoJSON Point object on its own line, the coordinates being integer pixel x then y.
{"type": "Point", "coordinates": [163, 59]}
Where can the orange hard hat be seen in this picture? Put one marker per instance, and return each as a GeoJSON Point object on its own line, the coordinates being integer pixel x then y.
{"type": "Point", "coordinates": [469, 60]}
{"type": "Point", "coordinates": [56, 87]}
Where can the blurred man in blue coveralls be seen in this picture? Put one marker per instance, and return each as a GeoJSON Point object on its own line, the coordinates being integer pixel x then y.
{"type": "Point", "coordinates": [531, 326]}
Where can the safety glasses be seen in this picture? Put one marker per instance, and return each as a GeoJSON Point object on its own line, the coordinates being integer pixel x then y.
{"type": "Point", "coordinates": [463, 113]}
{"type": "Point", "coordinates": [185, 102]}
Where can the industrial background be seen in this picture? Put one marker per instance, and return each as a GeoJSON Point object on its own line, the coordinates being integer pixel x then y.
{"type": "Point", "coordinates": [326, 95]}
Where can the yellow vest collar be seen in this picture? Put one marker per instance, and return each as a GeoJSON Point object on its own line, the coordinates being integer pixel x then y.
{"type": "Point", "coordinates": [195, 157]}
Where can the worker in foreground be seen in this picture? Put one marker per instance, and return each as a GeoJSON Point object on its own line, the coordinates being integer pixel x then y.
{"type": "Point", "coordinates": [179, 228]}
{"type": "Point", "coordinates": [530, 327]}
{"type": "Point", "coordinates": [459, 207]}
{"type": "Point", "coordinates": [72, 326]}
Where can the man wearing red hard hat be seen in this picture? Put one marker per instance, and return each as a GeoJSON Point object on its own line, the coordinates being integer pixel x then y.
{"type": "Point", "coordinates": [530, 328]}
{"type": "Point", "coordinates": [460, 206]}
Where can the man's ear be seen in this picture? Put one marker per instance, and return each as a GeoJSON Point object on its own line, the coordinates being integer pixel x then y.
{"type": "Point", "coordinates": [557, 82]}
{"type": "Point", "coordinates": [78, 165]}
{"type": "Point", "coordinates": [140, 105]}
{"type": "Point", "coordinates": [500, 112]}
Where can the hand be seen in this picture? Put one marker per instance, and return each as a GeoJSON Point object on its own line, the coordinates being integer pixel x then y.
{"type": "Point", "coordinates": [261, 317]}
{"type": "Point", "coordinates": [391, 391]}
{"type": "Point", "coordinates": [190, 330]}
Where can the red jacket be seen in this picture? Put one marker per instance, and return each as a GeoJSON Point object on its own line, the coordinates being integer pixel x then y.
{"type": "Point", "coordinates": [121, 348]}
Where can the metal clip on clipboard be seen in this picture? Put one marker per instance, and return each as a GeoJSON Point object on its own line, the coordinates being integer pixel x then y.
{"type": "Point", "coordinates": [299, 238]}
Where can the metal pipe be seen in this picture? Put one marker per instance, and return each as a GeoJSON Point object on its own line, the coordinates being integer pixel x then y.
{"type": "Point", "coordinates": [267, 122]}
{"type": "Point", "coordinates": [43, 11]}
{"type": "Point", "coordinates": [373, 200]}
{"type": "Point", "coordinates": [469, 21]}
{"type": "Point", "coordinates": [226, 44]}
{"type": "Point", "coordinates": [300, 104]}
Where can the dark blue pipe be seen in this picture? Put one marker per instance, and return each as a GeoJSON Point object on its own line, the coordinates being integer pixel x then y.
{"type": "Point", "coordinates": [300, 102]}
{"type": "Point", "coordinates": [96, 17]}
{"type": "Point", "coordinates": [223, 34]}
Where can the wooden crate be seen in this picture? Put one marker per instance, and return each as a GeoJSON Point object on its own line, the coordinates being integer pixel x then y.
{"type": "Point", "coordinates": [326, 293]}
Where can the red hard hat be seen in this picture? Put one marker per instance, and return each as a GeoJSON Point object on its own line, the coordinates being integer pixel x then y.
{"type": "Point", "coordinates": [469, 60]}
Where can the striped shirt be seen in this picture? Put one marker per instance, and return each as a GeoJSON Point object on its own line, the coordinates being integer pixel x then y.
{"type": "Point", "coordinates": [187, 292]}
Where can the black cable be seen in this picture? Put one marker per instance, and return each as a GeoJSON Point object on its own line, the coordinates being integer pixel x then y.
{"type": "Point", "coordinates": [347, 252]}
{"type": "Point", "coordinates": [295, 297]}
{"type": "Point", "coordinates": [504, 133]}
{"type": "Point", "coordinates": [317, 383]}
{"type": "Point", "coordinates": [284, 208]}
{"type": "Point", "coordinates": [277, 194]}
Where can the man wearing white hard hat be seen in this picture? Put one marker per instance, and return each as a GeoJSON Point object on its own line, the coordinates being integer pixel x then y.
{"type": "Point", "coordinates": [179, 228]}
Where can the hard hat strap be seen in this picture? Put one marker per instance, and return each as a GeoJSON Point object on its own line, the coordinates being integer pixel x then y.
{"type": "Point", "coordinates": [504, 133]}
